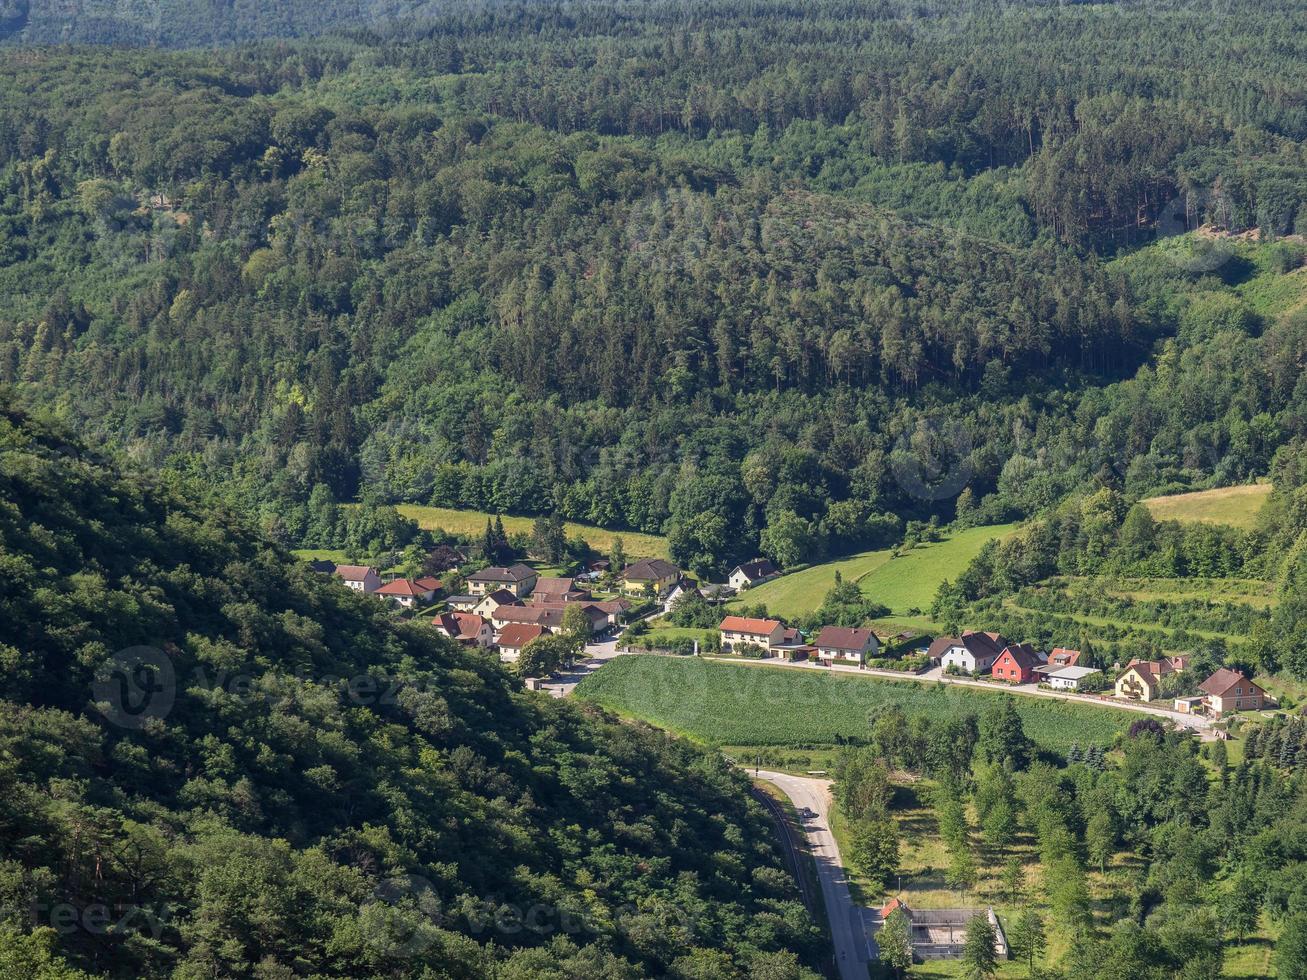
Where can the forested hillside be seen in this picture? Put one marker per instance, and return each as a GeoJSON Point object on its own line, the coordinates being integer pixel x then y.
{"type": "Point", "coordinates": [187, 23]}
{"type": "Point", "coordinates": [307, 788]}
{"type": "Point", "coordinates": [777, 278]}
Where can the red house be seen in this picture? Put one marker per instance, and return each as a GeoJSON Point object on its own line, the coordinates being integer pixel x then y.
{"type": "Point", "coordinates": [1017, 663]}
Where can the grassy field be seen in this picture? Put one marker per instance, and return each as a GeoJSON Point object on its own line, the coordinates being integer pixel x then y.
{"type": "Point", "coordinates": [1243, 591]}
{"type": "Point", "coordinates": [1235, 506]}
{"type": "Point", "coordinates": [635, 544]}
{"type": "Point", "coordinates": [728, 704]}
{"type": "Point", "coordinates": [902, 583]}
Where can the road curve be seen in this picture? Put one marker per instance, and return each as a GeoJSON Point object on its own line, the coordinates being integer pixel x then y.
{"type": "Point", "coordinates": [850, 924]}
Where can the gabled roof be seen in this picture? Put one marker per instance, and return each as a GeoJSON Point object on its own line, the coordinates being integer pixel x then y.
{"type": "Point", "coordinates": [742, 624]}
{"type": "Point", "coordinates": [756, 569]}
{"type": "Point", "coordinates": [1155, 669]}
{"type": "Point", "coordinates": [402, 587]}
{"type": "Point", "coordinates": [514, 636]}
{"type": "Point", "coordinates": [543, 615]}
{"type": "Point", "coordinates": [1023, 654]}
{"type": "Point", "coordinates": [428, 582]}
{"type": "Point", "coordinates": [1063, 657]}
{"type": "Point", "coordinates": [554, 586]}
{"type": "Point", "coordinates": [892, 906]}
{"type": "Point", "coordinates": [501, 596]}
{"type": "Point", "coordinates": [843, 638]}
{"type": "Point", "coordinates": [513, 573]}
{"type": "Point", "coordinates": [985, 644]}
{"type": "Point", "coordinates": [459, 625]}
{"type": "Point", "coordinates": [323, 565]}
{"type": "Point", "coordinates": [354, 573]}
{"type": "Point", "coordinates": [1219, 684]}
{"type": "Point", "coordinates": [650, 570]}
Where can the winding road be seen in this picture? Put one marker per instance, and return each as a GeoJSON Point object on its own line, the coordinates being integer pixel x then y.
{"type": "Point", "coordinates": [851, 925]}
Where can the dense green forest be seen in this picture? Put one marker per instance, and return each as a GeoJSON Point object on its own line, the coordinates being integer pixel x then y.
{"type": "Point", "coordinates": [715, 272]}
{"type": "Point", "coordinates": [318, 790]}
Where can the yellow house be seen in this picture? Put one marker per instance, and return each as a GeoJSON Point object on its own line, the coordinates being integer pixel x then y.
{"type": "Point", "coordinates": [656, 572]}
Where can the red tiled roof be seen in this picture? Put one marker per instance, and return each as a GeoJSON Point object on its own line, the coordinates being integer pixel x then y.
{"type": "Point", "coordinates": [742, 624]}
{"type": "Point", "coordinates": [1063, 657]}
{"type": "Point", "coordinates": [428, 583]}
{"type": "Point", "coordinates": [402, 586]}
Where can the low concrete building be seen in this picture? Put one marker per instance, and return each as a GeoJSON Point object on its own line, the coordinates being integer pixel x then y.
{"type": "Point", "coordinates": [1070, 678]}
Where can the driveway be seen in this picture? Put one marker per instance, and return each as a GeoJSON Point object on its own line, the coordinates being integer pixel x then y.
{"type": "Point", "coordinates": [851, 925]}
{"type": "Point", "coordinates": [563, 683]}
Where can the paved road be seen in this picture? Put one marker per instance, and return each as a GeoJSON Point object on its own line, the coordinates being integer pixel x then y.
{"type": "Point", "coordinates": [851, 925]}
{"type": "Point", "coordinates": [561, 684]}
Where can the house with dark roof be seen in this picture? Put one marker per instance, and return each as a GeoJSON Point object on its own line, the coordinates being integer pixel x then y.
{"type": "Point", "coordinates": [656, 573]}
{"type": "Point", "coordinates": [842, 643]}
{"type": "Point", "coordinates": [491, 601]}
{"type": "Point", "coordinates": [1017, 663]}
{"type": "Point", "coordinates": [752, 573]}
{"type": "Point", "coordinates": [519, 579]}
{"type": "Point", "coordinates": [972, 653]}
{"type": "Point", "coordinates": [513, 637]}
{"type": "Point", "coordinates": [323, 566]}
{"type": "Point", "coordinates": [360, 578]}
{"type": "Point", "coordinates": [1228, 691]}
{"type": "Point", "coordinates": [557, 590]}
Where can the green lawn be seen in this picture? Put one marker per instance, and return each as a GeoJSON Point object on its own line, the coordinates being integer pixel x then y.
{"type": "Point", "coordinates": [1235, 506]}
{"type": "Point", "coordinates": [901, 583]}
{"type": "Point", "coordinates": [635, 544]}
{"type": "Point", "coordinates": [911, 580]}
{"type": "Point", "coordinates": [730, 704]}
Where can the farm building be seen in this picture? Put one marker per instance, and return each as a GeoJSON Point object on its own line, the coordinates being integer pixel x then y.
{"type": "Point", "coordinates": [939, 934]}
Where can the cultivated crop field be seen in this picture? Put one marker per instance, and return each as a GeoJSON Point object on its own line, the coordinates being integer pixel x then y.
{"type": "Point", "coordinates": [635, 544]}
{"type": "Point", "coordinates": [738, 704]}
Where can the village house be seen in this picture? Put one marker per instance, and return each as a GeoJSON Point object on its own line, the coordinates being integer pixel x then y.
{"type": "Point", "coordinates": [513, 637]}
{"type": "Point", "coordinates": [463, 603]}
{"type": "Point", "coordinates": [557, 590]}
{"type": "Point", "coordinates": [1069, 678]}
{"type": "Point", "coordinates": [1017, 663]}
{"type": "Point", "coordinates": [972, 653]}
{"type": "Point", "coordinates": [769, 634]}
{"type": "Point", "coordinates": [491, 601]}
{"type": "Point", "coordinates": [408, 592]}
{"type": "Point", "coordinates": [360, 578]}
{"type": "Point", "coordinates": [466, 628]}
{"type": "Point", "coordinates": [655, 573]}
{"type": "Point", "coordinates": [841, 643]}
{"type": "Point", "coordinates": [752, 573]}
{"type": "Point", "coordinates": [1142, 680]}
{"type": "Point", "coordinates": [1228, 691]}
{"type": "Point", "coordinates": [519, 579]}
{"type": "Point", "coordinates": [540, 615]}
